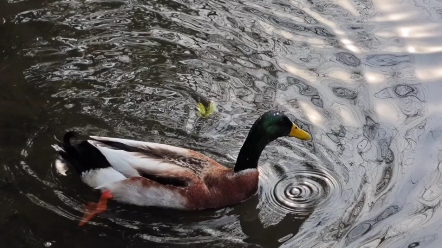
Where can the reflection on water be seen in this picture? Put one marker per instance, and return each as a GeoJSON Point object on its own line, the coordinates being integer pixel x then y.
{"type": "Point", "coordinates": [363, 77]}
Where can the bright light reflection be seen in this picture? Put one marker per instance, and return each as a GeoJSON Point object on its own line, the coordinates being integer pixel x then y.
{"type": "Point", "coordinates": [429, 73]}
{"type": "Point", "coordinates": [405, 32]}
{"type": "Point", "coordinates": [373, 77]}
{"type": "Point", "coordinates": [307, 75]}
{"type": "Point", "coordinates": [352, 48]}
{"type": "Point", "coordinates": [387, 112]}
{"type": "Point", "coordinates": [340, 74]}
{"type": "Point", "coordinates": [346, 41]}
{"type": "Point", "coordinates": [311, 113]}
{"type": "Point", "coordinates": [347, 116]}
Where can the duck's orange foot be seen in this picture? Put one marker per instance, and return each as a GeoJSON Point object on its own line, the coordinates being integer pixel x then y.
{"type": "Point", "coordinates": [92, 209]}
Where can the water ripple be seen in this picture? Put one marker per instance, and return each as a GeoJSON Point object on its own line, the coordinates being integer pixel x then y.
{"type": "Point", "coordinates": [302, 191]}
{"type": "Point", "coordinates": [363, 77]}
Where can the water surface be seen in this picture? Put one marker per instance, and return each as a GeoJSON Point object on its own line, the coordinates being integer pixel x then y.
{"type": "Point", "coordinates": [362, 76]}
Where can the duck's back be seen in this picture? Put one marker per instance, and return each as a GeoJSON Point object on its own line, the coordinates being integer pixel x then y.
{"type": "Point", "coordinates": [147, 159]}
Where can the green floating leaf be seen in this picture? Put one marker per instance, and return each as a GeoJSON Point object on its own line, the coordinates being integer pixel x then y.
{"type": "Point", "coordinates": [203, 112]}
{"type": "Point", "coordinates": [211, 109]}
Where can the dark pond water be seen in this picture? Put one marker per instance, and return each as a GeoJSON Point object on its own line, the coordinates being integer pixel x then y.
{"type": "Point", "coordinates": [363, 76]}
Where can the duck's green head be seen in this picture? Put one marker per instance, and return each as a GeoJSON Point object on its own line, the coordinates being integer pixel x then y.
{"type": "Point", "coordinates": [275, 124]}
{"type": "Point", "coordinates": [270, 126]}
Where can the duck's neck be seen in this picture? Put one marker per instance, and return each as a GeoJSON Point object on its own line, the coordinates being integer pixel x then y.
{"type": "Point", "coordinates": [251, 151]}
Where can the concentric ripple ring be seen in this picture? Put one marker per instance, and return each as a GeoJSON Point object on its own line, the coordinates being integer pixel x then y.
{"type": "Point", "coordinates": [303, 191]}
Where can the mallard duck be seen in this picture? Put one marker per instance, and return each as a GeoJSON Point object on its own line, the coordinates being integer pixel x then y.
{"type": "Point", "coordinates": [152, 174]}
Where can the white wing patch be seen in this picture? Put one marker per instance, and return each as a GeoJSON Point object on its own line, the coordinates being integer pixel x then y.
{"type": "Point", "coordinates": [141, 144]}
{"type": "Point", "coordinates": [128, 163]}
{"type": "Point", "coordinates": [135, 192]}
{"type": "Point", "coordinates": [98, 178]}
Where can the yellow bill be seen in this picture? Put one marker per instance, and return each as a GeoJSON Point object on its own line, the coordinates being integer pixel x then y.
{"type": "Point", "coordinates": [299, 133]}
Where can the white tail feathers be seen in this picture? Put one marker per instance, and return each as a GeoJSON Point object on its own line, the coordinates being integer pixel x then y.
{"type": "Point", "coordinates": [61, 167]}
{"type": "Point", "coordinates": [58, 148]}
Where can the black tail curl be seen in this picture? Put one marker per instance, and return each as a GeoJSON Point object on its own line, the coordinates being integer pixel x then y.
{"type": "Point", "coordinates": [81, 154]}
